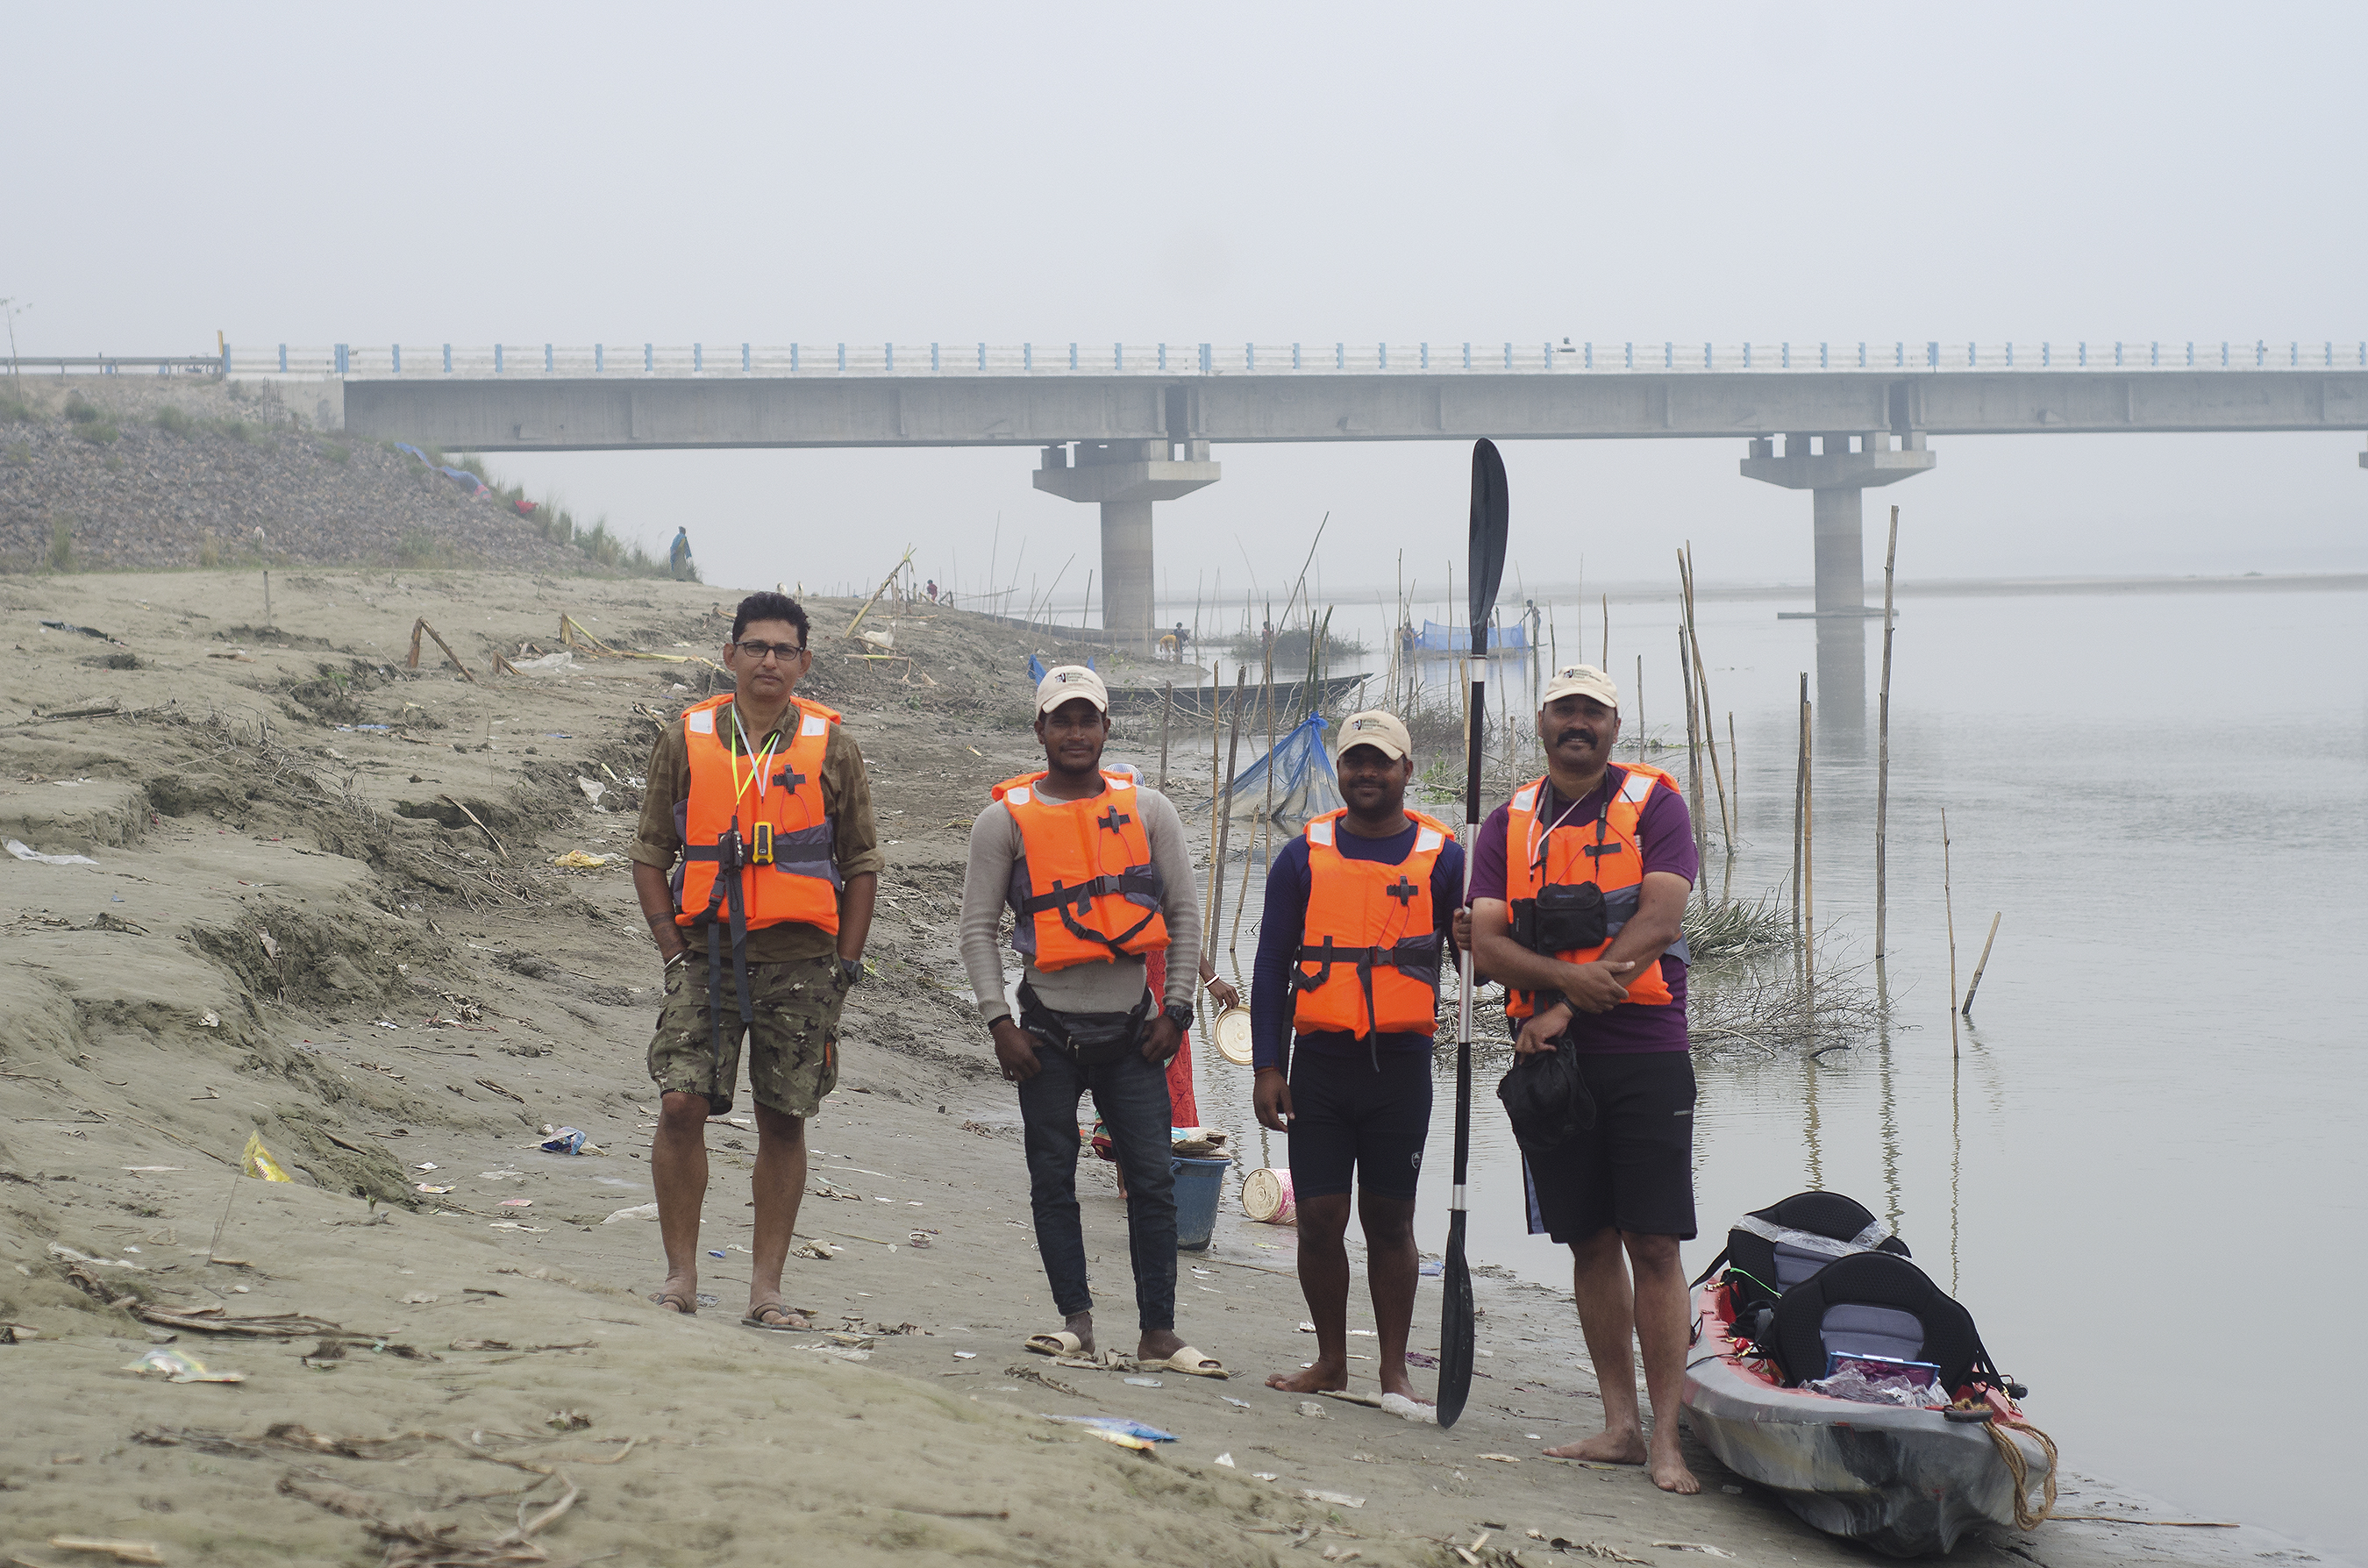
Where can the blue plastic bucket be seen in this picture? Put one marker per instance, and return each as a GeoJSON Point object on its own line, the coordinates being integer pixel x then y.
{"type": "Point", "coordinates": [1200, 1185]}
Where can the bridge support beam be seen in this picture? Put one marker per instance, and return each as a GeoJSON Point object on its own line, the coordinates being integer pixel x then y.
{"type": "Point", "coordinates": [1125, 478]}
{"type": "Point", "coordinates": [1837, 479]}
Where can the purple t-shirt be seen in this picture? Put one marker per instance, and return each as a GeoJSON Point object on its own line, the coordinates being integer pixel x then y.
{"type": "Point", "coordinates": [1666, 835]}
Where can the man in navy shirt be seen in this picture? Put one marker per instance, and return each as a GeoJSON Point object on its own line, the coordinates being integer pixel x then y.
{"type": "Point", "coordinates": [1360, 912]}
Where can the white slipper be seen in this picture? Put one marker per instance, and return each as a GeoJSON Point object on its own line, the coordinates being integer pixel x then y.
{"type": "Point", "coordinates": [1063, 1343]}
{"type": "Point", "coordinates": [1189, 1361]}
{"type": "Point", "coordinates": [1414, 1410]}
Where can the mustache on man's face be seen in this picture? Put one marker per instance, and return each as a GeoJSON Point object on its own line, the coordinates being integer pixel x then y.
{"type": "Point", "coordinates": [1576, 732]}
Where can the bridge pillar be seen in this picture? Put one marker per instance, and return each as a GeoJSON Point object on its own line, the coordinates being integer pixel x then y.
{"type": "Point", "coordinates": [1125, 478]}
{"type": "Point", "coordinates": [1837, 479]}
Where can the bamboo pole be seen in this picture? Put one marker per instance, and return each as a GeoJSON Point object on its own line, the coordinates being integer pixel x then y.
{"type": "Point", "coordinates": [1606, 665]}
{"type": "Point", "coordinates": [1984, 963]}
{"type": "Point", "coordinates": [1949, 906]}
{"type": "Point", "coordinates": [1702, 693]}
{"type": "Point", "coordinates": [1639, 706]}
{"type": "Point", "coordinates": [1224, 827]}
{"type": "Point", "coordinates": [1809, 850]}
{"type": "Point", "coordinates": [1693, 767]}
{"type": "Point", "coordinates": [1883, 747]}
{"type": "Point", "coordinates": [1800, 784]}
{"type": "Point", "coordinates": [1166, 712]}
{"type": "Point", "coordinates": [1734, 767]}
{"type": "Point", "coordinates": [1216, 763]}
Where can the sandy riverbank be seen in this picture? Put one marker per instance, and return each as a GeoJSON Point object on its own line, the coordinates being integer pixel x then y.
{"type": "Point", "coordinates": [293, 930]}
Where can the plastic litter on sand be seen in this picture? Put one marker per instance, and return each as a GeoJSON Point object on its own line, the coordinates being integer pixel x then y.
{"type": "Point", "coordinates": [173, 1366]}
{"type": "Point", "coordinates": [22, 853]}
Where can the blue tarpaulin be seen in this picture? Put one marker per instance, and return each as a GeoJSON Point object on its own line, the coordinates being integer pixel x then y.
{"type": "Point", "coordinates": [1305, 783]}
{"type": "Point", "coordinates": [1439, 639]}
{"type": "Point", "coordinates": [1036, 668]}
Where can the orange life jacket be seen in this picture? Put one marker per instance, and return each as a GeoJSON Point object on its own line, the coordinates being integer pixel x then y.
{"type": "Point", "coordinates": [756, 835]}
{"type": "Point", "coordinates": [1092, 891]}
{"type": "Point", "coordinates": [1581, 877]}
{"type": "Point", "coordinates": [1375, 920]}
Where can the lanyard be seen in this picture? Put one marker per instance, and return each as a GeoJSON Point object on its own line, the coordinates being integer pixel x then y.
{"type": "Point", "coordinates": [1538, 855]}
{"type": "Point", "coordinates": [760, 764]}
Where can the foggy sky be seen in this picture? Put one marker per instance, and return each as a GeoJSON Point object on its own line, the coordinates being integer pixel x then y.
{"type": "Point", "coordinates": [1228, 172]}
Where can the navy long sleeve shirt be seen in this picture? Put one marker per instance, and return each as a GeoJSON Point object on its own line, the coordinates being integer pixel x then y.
{"type": "Point", "coordinates": [1284, 922]}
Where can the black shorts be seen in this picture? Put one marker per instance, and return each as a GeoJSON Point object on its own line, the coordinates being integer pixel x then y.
{"type": "Point", "coordinates": [1345, 1115]}
{"type": "Point", "coordinates": [1634, 1168]}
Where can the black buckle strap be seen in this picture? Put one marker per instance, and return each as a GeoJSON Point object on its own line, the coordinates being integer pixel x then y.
{"type": "Point", "coordinates": [1081, 895]}
{"type": "Point", "coordinates": [730, 852]}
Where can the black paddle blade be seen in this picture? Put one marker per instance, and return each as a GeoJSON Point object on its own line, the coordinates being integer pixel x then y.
{"type": "Point", "coordinates": [1455, 1327]}
{"type": "Point", "coordinates": [1491, 512]}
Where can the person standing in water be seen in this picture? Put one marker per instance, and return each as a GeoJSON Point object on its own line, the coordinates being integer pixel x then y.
{"type": "Point", "coordinates": [1359, 910]}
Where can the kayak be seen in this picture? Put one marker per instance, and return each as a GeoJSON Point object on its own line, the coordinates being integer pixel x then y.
{"type": "Point", "coordinates": [1902, 1481]}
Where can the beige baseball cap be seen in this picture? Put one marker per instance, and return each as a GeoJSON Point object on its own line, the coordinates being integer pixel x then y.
{"type": "Point", "coordinates": [1582, 680]}
{"type": "Point", "coordinates": [1063, 682]}
{"type": "Point", "coordinates": [1381, 731]}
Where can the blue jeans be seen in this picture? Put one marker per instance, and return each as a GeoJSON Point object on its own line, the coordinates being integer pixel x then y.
{"type": "Point", "coordinates": [1132, 1096]}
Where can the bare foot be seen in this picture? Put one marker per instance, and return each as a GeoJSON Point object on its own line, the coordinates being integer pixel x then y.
{"type": "Point", "coordinates": [1323, 1375]}
{"type": "Point", "coordinates": [678, 1294]}
{"type": "Point", "coordinates": [1607, 1447]}
{"type": "Point", "coordinates": [1669, 1471]}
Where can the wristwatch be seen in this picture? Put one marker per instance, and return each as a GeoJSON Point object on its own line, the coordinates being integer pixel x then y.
{"type": "Point", "coordinates": [850, 970]}
{"type": "Point", "coordinates": [1180, 1013]}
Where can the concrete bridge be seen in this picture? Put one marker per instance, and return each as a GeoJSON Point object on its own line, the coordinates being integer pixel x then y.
{"type": "Point", "coordinates": [1127, 426]}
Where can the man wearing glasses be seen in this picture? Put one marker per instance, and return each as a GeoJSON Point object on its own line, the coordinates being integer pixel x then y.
{"type": "Point", "coordinates": [755, 863]}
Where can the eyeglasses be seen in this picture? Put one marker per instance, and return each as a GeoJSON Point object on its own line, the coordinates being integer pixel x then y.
{"type": "Point", "coordinates": [760, 651]}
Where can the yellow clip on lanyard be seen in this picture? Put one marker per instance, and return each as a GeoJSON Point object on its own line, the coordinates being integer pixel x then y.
{"type": "Point", "coordinates": [760, 764]}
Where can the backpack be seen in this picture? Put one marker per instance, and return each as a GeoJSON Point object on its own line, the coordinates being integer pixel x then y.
{"type": "Point", "coordinates": [1771, 1250]}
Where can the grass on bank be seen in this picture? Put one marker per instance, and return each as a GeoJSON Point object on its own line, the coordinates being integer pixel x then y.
{"type": "Point", "coordinates": [553, 521]}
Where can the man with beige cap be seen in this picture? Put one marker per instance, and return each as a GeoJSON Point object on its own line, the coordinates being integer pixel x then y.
{"type": "Point", "coordinates": [1344, 1003]}
{"type": "Point", "coordinates": [1095, 870]}
{"type": "Point", "coordinates": [1578, 886]}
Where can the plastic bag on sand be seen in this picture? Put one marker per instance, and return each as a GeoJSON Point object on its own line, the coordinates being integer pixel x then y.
{"type": "Point", "coordinates": [562, 1140]}
{"type": "Point", "coordinates": [577, 861]}
{"type": "Point", "coordinates": [23, 853]}
{"type": "Point", "coordinates": [638, 1211]}
{"type": "Point", "coordinates": [259, 1162]}
{"type": "Point", "coordinates": [177, 1368]}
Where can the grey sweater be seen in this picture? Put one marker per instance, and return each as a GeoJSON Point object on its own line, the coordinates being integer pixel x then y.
{"type": "Point", "coordinates": [996, 853]}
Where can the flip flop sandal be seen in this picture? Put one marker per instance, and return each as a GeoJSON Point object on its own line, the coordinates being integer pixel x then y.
{"type": "Point", "coordinates": [1192, 1363]}
{"type": "Point", "coordinates": [759, 1319]}
{"type": "Point", "coordinates": [1061, 1343]}
{"type": "Point", "coordinates": [681, 1305]}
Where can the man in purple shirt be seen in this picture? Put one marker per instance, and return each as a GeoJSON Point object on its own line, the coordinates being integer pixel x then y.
{"type": "Point", "coordinates": [1621, 1192]}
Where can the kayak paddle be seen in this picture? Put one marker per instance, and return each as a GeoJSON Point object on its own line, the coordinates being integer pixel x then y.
{"type": "Point", "coordinates": [1489, 513]}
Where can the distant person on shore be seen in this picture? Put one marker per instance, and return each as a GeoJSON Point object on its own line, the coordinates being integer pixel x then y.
{"type": "Point", "coordinates": [763, 799]}
{"type": "Point", "coordinates": [1344, 1001]}
{"type": "Point", "coordinates": [1266, 638]}
{"type": "Point", "coordinates": [1605, 977]}
{"type": "Point", "coordinates": [933, 590]}
{"type": "Point", "coordinates": [679, 553]}
{"type": "Point", "coordinates": [1096, 872]}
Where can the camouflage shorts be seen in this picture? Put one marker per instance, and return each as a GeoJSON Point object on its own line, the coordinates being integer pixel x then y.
{"type": "Point", "coordinates": [794, 1044]}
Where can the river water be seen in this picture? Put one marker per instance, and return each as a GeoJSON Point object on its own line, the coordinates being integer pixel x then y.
{"type": "Point", "coordinates": [2140, 1166]}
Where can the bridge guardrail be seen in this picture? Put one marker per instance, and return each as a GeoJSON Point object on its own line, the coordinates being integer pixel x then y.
{"type": "Point", "coordinates": [1416, 357]}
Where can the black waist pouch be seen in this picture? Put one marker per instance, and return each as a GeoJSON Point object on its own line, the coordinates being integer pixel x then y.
{"type": "Point", "coordinates": [1096, 1040]}
{"type": "Point", "coordinates": [1564, 918]}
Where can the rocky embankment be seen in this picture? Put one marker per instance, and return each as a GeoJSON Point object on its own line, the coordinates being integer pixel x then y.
{"type": "Point", "coordinates": [155, 473]}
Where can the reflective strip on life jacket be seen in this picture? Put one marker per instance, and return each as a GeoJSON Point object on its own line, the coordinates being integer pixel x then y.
{"type": "Point", "coordinates": [1603, 849]}
{"type": "Point", "coordinates": [1092, 892]}
{"type": "Point", "coordinates": [1374, 919]}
